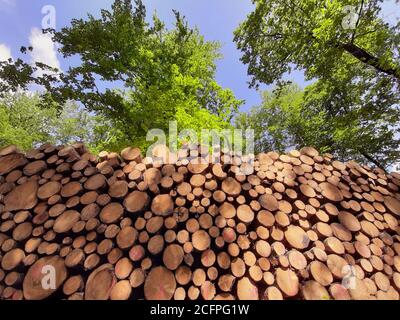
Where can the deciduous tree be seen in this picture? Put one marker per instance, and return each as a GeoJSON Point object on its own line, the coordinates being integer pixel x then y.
{"type": "Point", "coordinates": [350, 53]}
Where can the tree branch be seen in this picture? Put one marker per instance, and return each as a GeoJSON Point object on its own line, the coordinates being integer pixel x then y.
{"type": "Point", "coordinates": [373, 160]}
{"type": "Point", "coordinates": [367, 58]}
{"type": "Point", "coordinates": [358, 21]}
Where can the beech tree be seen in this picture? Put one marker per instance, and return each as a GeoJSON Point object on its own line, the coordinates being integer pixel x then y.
{"type": "Point", "coordinates": [136, 74]}
{"type": "Point", "coordinates": [291, 117]}
{"type": "Point", "coordinates": [25, 123]}
{"type": "Point", "coordinates": [349, 52]}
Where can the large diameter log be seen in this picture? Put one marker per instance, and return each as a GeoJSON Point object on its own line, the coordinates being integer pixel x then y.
{"type": "Point", "coordinates": [48, 190]}
{"type": "Point", "coordinates": [288, 282]}
{"type": "Point", "coordinates": [162, 205]}
{"type": "Point", "coordinates": [246, 290]}
{"type": "Point", "coordinates": [66, 221]}
{"type": "Point", "coordinates": [231, 186]}
{"type": "Point", "coordinates": [22, 232]}
{"type": "Point", "coordinates": [100, 283]}
{"type": "Point", "coordinates": [269, 202]}
{"type": "Point", "coordinates": [136, 201]}
{"type": "Point", "coordinates": [227, 210]}
{"type": "Point", "coordinates": [173, 256]}
{"type": "Point", "coordinates": [71, 189]}
{"type": "Point", "coordinates": [44, 277]}
{"type": "Point", "coordinates": [331, 192]}
{"type": "Point", "coordinates": [121, 291]}
{"type": "Point", "coordinates": [321, 273]}
{"type": "Point", "coordinates": [111, 213]}
{"type": "Point", "coordinates": [126, 237]}
{"type": "Point", "coordinates": [393, 205]}
{"type": "Point", "coordinates": [12, 161]}
{"type": "Point", "coordinates": [95, 182]}
{"type": "Point", "coordinates": [23, 197]}
{"type": "Point", "coordinates": [197, 165]}
{"type": "Point", "coordinates": [8, 150]}
{"type": "Point", "coordinates": [349, 221]}
{"type": "Point", "coordinates": [118, 189]}
{"type": "Point", "coordinates": [160, 284]}
{"type": "Point", "coordinates": [313, 290]}
{"type": "Point", "coordinates": [201, 240]}
{"type": "Point", "coordinates": [297, 237]}
{"type": "Point", "coordinates": [152, 176]}
{"type": "Point", "coordinates": [35, 167]}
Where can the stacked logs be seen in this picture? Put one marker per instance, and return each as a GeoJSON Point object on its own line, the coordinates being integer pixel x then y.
{"type": "Point", "coordinates": [123, 226]}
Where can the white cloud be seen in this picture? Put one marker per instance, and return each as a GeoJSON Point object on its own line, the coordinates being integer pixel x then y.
{"type": "Point", "coordinates": [6, 5]}
{"type": "Point", "coordinates": [5, 52]}
{"type": "Point", "coordinates": [8, 2]}
{"type": "Point", "coordinates": [44, 49]}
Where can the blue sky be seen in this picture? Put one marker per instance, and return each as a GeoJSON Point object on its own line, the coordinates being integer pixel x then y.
{"type": "Point", "coordinates": [216, 20]}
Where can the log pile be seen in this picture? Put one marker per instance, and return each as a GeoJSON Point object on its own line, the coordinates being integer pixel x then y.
{"type": "Point", "coordinates": [123, 226]}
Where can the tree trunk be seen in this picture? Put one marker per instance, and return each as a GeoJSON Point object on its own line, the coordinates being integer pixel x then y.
{"type": "Point", "coordinates": [366, 57]}
{"type": "Point", "coordinates": [373, 160]}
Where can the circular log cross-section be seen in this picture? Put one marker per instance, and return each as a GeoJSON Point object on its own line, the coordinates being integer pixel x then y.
{"type": "Point", "coordinates": [136, 201]}
{"type": "Point", "coordinates": [160, 284]}
{"type": "Point", "coordinates": [44, 277]}
{"type": "Point", "coordinates": [100, 283]}
{"type": "Point", "coordinates": [162, 205]}
{"type": "Point", "coordinates": [300, 225]}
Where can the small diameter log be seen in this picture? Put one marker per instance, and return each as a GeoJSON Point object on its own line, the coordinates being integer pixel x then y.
{"type": "Point", "coordinates": [156, 244]}
{"type": "Point", "coordinates": [73, 284]}
{"type": "Point", "coordinates": [208, 290]}
{"type": "Point", "coordinates": [123, 268]}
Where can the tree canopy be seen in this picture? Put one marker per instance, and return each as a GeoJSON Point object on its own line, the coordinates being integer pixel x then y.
{"type": "Point", "coordinates": [24, 122]}
{"type": "Point", "coordinates": [129, 74]}
{"type": "Point", "coordinates": [136, 74]}
{"type": "Point", "coordinates": [352, 56]}
{"type": "Point", "coordinates": [319, 37]}
{"type": "Point", "coordinates": [292, 117]}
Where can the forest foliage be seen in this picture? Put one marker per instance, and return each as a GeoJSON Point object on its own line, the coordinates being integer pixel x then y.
{"type": "Point", "coordinates": [136, 75]}
{"type": "Point", "coordinates": [351, 55]}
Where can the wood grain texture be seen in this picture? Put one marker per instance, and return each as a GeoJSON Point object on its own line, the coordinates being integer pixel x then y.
{"type": "Point", "coordinates": [121, 227]}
